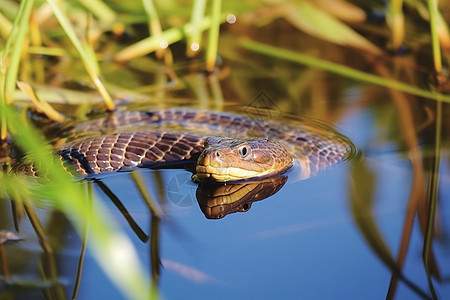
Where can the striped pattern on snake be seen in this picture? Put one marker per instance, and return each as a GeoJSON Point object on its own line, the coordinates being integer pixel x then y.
{"type": "Point", "coordinates": [152, 139]}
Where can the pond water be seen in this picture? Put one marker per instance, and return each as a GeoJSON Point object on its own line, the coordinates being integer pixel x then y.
{"type": "Point", "coordinates": [336, 235]}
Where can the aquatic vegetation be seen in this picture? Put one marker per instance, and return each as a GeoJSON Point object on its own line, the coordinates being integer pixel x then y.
{"type": "Point", "coordinates": [174, 52]}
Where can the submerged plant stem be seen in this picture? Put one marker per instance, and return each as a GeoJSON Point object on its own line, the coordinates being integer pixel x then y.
{"type": "Point", "coordinates": [432, 199]}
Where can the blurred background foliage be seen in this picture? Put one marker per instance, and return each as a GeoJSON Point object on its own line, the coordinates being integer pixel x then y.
{"type": "Point", "coordinates": [93, 55]}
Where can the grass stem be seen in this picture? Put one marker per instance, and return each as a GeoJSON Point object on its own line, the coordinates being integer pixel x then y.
{"type": "Point", "coordinates": [433, 11]}
{"type": "Point", "coordinates": [339, 69]}
{"type": "Point", "coordinates": [195, 39]}
{"type": "Point", "coordinates": [87, 58]}
{"type": "Point", "coordinates": [213, 36]}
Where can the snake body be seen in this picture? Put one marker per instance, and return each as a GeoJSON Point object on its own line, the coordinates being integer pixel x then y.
{"type": "Point", "coordinates": [156, 138]}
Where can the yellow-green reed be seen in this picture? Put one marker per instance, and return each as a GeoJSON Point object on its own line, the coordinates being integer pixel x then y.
{"type": "Point", "coordinates": [154, 24]}
{"type": "Point", "coordinates": [68, 196]}
{"type": "Point", "coordinates": [167, 37]}
{"type": "Point", "coordinates": [433, 11]}
{"type": "Point", "coordinates": [213, 36]}
{"type": "Point", "coordinates": [396, 22]}
{"type": "Point", "coordinates": [102, 11]}
{"type": "Point", "coordinates": [338, 69]}
{"type": "Point", "coordinates": [432, 199]}
{"type": "Point", "coordinates": [86, 54]}
{"type": "Point", "coordinates": [10, 60]}
{"type": "Point", "coordinates": [195, 39]}
{"type": "Point", "coordinates": [5, 27]}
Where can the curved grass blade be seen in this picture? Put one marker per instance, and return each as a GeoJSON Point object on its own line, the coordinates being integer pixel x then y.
{"type": "Point", "coordinates": [167, 37]}
{"type": "Point", "coordinates": [361, 205]}
{"type": "Point", "coordinates": [338, 69]}
{"type": "Point", "coordinates": [121, 264]}
{"type": "Point", "coordinates": [41, 105]}
{"type": "Point", "coordinates": [13, 50]}
{"type": "Point", "coordinates": [123, 210]}
{"type": "Point", "coordinates": [102, 11]}
{"type": "Point", "coordinates": [432, 198]}
{"type": "Point", "coordinates": [307, 17]}
{"type": "Point", "coordinates": [86, 55]}
{"type": "Point", "coordinates": [10, 60]}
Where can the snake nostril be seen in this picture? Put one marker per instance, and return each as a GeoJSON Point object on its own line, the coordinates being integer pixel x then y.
{"type": "Point", "coordinates": [217, 154]}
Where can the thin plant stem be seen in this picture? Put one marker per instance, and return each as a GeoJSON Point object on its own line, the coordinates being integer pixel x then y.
{"type": "Point", "coordinates": [10, 60]}
{"type": "Point", "coordinates": [87, 58]}
{"type": "Point", "coordinates": [102, 11]}
{"type": "Point", "coordinates": [64, 194]}
{"type": "Point", "coordinates": [194, 40]}
{"type": "Point", "coordinates": [213, 36]}
{"type": "Point", "coordinates": [142, 188]}
{"type": "Point", "coordinates": [432, 198]}
{"type": "Point", "coordinates": [84, 237]}
{"type": "Point", "coordinates": [433, 11]}
{"type": "Point", "coordinates": [155, 258]}
{"type": "Point", "coordinates": [396, 22]}
{"type": "Point", "coordinates": [5, 27]}
{"type": "Point", "coordinates": [154, 43]}
{"type": "Point", "coordinates": [154, 24]}
{"type": "Point", "coordinates": [13, 49]}
{"type": "Point", "coordinates": [417, 192]}
{"type": "Point", "coordinates": [52, 269]}
{"type": "Point", "coordinates": [339, 69]}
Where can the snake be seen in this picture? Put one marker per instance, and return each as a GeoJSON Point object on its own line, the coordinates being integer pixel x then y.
{"type": "Point", "coordinates": [223, 147]}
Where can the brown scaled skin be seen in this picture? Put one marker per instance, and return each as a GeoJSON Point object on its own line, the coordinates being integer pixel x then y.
{"type": "Point", "coordinates": [226, 159]}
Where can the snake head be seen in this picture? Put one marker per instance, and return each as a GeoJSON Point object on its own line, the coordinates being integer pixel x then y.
{"type": "Point", "coordinates": [228, 159]}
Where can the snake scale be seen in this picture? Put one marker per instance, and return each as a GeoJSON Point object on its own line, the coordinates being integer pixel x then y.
{"type": "Point", "coordinates": [226, 147]}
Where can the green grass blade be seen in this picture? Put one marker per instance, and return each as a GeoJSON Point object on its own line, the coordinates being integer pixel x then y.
{"type": "Point", "coordinates": [339, 69]}
{"type": "Point", "coordinates": [195, 39]}
{"type": "Point", "coordinates": [86, 56]}
{"type": "Point", "coordinates": [5, 27]}
{"type": "Point", "coordinates": [168, 37]}
{"type": "Point", "coordinates": [111, 248]}
{"type": "Point", "coordinates": [433, 11]}
{"type": "Point", "coordinates": [311, 19]}
{"type": "Point", "coordinates": [213, 36]}
{"type": "Point", "coordinates": [102, 11]}
{"type": "Point", "coordinates": [13, 49]}
{"type": "Point", "coordinates": [433, 198]}
{"type": "Point", "coordinates": [362, 188]}
{"type": "Point", "coordinates": [10, 60]}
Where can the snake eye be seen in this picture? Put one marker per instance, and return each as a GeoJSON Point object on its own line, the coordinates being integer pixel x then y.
{"type": "Point", "coordinates": [243, 151]}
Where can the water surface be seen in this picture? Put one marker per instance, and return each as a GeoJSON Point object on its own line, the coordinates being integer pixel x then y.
{"type": "Point", "coordinates": [331, 236]}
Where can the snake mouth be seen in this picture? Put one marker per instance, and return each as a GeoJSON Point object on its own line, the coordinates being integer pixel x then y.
{"type": "Point", "coordinates": [224, 174]}
{"type": "Point", "coordinates": [234, 174]}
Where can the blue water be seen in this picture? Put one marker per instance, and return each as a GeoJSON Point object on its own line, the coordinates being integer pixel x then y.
{"type": "Point", "coordinates": [301, 243]}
